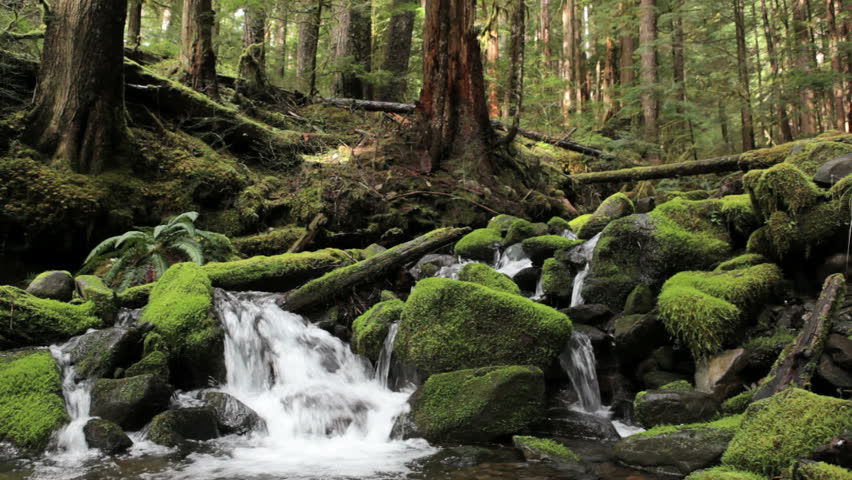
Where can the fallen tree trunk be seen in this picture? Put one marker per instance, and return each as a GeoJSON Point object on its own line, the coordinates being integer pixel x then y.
{"type": "Point", "coordinates": [561, 143]}
{"type": "Point", "coordinates": [369, 105]}
{"type": "Point", "coordinates": [337, 283]}
{"type": "Point", "coordinates": [798, 361]}
{"type": "Point", "coordinates": [684, 169]}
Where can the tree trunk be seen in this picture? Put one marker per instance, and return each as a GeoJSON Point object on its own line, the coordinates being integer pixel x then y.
{"type": "Point", "coordinates": [832, 9]}
{"type": "Point", "coordinates": [516, 68]}
{"type": "Point", "coordinates": [492, 58]}
{"type": "Point", "coordinates": [351, 39]}
{"type": "Point", "coordinates": [608, 88]}
{"type": "Point", "coordinates": [627, 48]}
{"type": "Point", "coordinates": [78, 117]}
{"type": "Point", "coordinates": [804, 63]}
{"type": "Point", "coordinates": [398, 50]}
{"type": "Point", "coordinates": [569, 59]}
{"type": "Point", "coordinates": [134, 24]}
{"type": "Point", "coordinates": [679, 77]}
{"type": "Point", "coordinates": [775, 71]}
{"type": "Point", "coordinates": [252, 79]}
{"type": "Point", "coordinates": [452, 115]}
{"type": "Point", "coordinates": [650, 104]}
{"type": "Point", "coordinates": [306, 53]}
{"type": "Point", "coordinates": [197, 59]}
{"type": "Point", "coordinates": [544, 34]}
{"type": "Point", "coordinates": [742, 73]}
{"type": "Point", "coordinates": [283, 23]}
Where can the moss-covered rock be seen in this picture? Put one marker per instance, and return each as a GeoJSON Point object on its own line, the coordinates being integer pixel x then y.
{"type": "Point", "coordinates": [478, 405]}
{"type": "Point", "coordinates": [738, 403]}
{"type": "Point", "coordinates": [180, 309]}
{"type": "Point", "coordinates": [541, 248]}
{"type": "Point", "coordinates": [578, 223]}
{"type": "Point", "coordinates": [106, 436]}
{"type": "Point", "coordinates": [451, 325]}
{"type": "Point", "coordinates": [173, 427]}
{"type": "Point", "coordinates": [29, 320]}
{"type": "Point", "coordinates": [812, 155]}
{"type": "Point", "coordinates": [742, 261]}
{"type": "Point", "coordinates": [135, 297]}
{"type": "Point", "coordinates": [523, 229]}
{"type": "Point", "coordinates": [678, 449]}
{"type": "Point", "coordinates": [31, 402]}
{"type": "Point", "coordinates": [707, 310]}
{"type": "Point", "coordinates": [778, 430]}
{"type": "Point", "coordinates": [640, 301]}
{"type": "Point", "coordinates": [130, 402]}
{"type": "Point", "coordinates": [481, 244]}
{"type": "Point", "coordinates": [782, 187]}
{"type": "Point", "coordinates": [370, 329]}
{"type": "Point", "coordinates": [273, 242]}
{"type": "Point", "coordinates": [502, 222]}
{"type": "Point", "coordinates": [614, 207]}
{"type": "Point", "coordinates": [487, 276]}
{"type": "Point", "coordinates": [154, 363]}
{"type": "Point", "coordinates": [545, 449]}
{"type": "Point", "coordinates": [819, 471]}
{"type": "Point", "coordinates": [723, 473]}
{"type": "Point", "coordinates": [277, 273]}
{"type": "Point", "coordinates": [673, 406]}
{"type": "Point", "coordinates": [53, 284]}
{"type": "Point", "coordinates": [558, 225]}
{"type": "Point", "coordinates": [557, 279]}
{"type": "Point", "coordinates": [93, 289]}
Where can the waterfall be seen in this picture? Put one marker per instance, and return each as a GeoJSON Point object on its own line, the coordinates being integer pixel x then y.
{"type": "Point", "coordinates": [326, 415]}
{"type": "Point", "coordinates": [384, 363]}
{"type": "Point", "coordinates": [567, 233]}
{"type": "Point", "coordinates": [586, 253]}
{"type": "Point", "coordinates": [539, 289]}
{"type": "Point", "coordinates": [578, 361]}
{"type": "Point", "coordinates": [71, 440]}
{"type": "Point", "coordinates": [512, 260]}
{"type": "Point", "coordinates": [452, 271]}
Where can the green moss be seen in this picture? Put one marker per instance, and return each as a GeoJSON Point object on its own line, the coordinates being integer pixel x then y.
{"type": "Point", "coordinates": [782, 187]}
{"type": "Point", "coordinates": [815, 153]}
{"type": "Point", "coordinates": [93, 289]}
{"type": "Point", "coordinates": [778, 430]}
{"type": "Point", "coordinates": [640, 300]}
{"type": "Point", "coordinates": [680, 385]}
{"type": "Point", "coordinates": [546, 448]}
{"type": "Point", "coordinates": [31, 403]}
{"type": "Point", "coordinates": [450, 325]}
{"type": "Point", "coordinates": [771, 344]}
{"type": "Point", "coordinates": [614, 207]}
{"type": "Point", "coordinates": [275, 273]}
{"type": "Point", "coordinates": [558, 225]}
{"type": "Point", "coordinates": [723, 473]}
{"type": "Point", "coordinates": [556, 279]}
{"type": "Point", "coordinates": [725, 426]}
{"type": "Point", "coordinates": [523, 229]}
{"type": "Point", "coordinates": [480, 244]}
{"type": "Point", "coordinates": [502, 222]}
{"type": "Point", "coordinates": [545, 246]}
{"type": "Point", "coordinates": [154, 342]}
{"type": "Point", "coordinates": [577, 223]}
{"type": "Point", "coordinates": [135, 297]}
{"type": "Point", "coordinates": [738, 403]}
{"type": "Point", "coordinates": [739, 214]}
{"type": "Point", "coordinates": [487, 276]}
{"type": "Point", "coordinates": [705, 310]}
{"type": "Point", "coordinates": [28, 320]}
{"type": "Point", "coordinates": [154, 363]}
{"type": "Point", "coordinates": [370, 329]}
{"type": "Point", "coordinates": [820, 471]}
{"type": "Point", "coordinates": [742, 261]}
{"type": "Point", "coordinates": [479, 404]}
{"type": "Point", "coordinates": [273, 242]}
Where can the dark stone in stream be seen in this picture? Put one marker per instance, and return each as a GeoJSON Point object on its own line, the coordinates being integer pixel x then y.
{"type": "Point", "coordinates": [106, 436]}
{"type": "Point", "coordinates": [173, 427]}
{"type": "Point", "coordinates": [100, 353]}
{"type": "Point", "coordinates": [673, 407]}
{"type": "Point", "coordinates": [232, 415]}
{"type": "Point", "coordinates": [130, 402]}
{"type": "Point", "coordinates": [429, 265]}
{"type": "Point", "coordinates": [56, 285]}
{"type": "Point", "coordinates": [636, 336]}
{"type": "Point", "coordinates": [566, 423]}
{"type": "Point", "coordinates": [527, 279]}
{"type": "Point", "coordinates": [599, 339]}
{"type": "Point", "coordinates": [592, 314]}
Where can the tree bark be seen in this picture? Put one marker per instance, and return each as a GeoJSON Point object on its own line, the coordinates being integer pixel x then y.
{"type": "Point", "coordinates": [516, 68]}
{"type": "Point", "coordinates": [398, 50]}
{"type": "Point", "coordinates": [670, 170]}
{"type": "Point", "coordinates": [546, 50]}
{"type": "Point", "coordinates": [804, 63]}
{"type": "Point", "coordinates": [492, 58]}
{"type": "Point", "coordinates": [569, 50]}
{"type": "Point", "coordinates": [351, 39]}
{"type": "Point", "coordinates": [648, 56]}
{"type": "Point", "coordinates": [283, 24]}
{"type": "Point", "coordinates": [252, 80]}
{"type": "Point", "coordinates": [742, 73]}
{"type": "Point", "coordinates": [679, 77]}
{"type": "Point", "coordinates": [832, 9]}
{"type": "Point", "coordinates": [134, 24]}
{"type": "Point", "coordinates": [783, 119]}
{"type": "Point", "coordinates": [197, 59]}
{"type": "Point", "coordinates": [627, 48]}
{"type": "Point", "coordinates": [452, 115]}
{"type": "Point", "coordinates": [306, 53]}
{"type": "Point", "coordinates": [78, 119]}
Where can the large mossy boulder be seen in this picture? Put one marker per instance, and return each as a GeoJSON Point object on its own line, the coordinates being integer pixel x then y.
{"type": "Point", "coordinates": [31, 402]}
{"type": "Point", "coordinates": [180, 309]}
{"type": "Point", "coordinates": [29, 320]}
{"type": "Point", "coordinates": [778, 430]}
{"type": "Point", "coordinates": [232, 415]}
{"type": "Point", "coordinates": [277, 273]}
{"type": "Point", "coordinates": [478, 405]}
{"type": "Point", "coordinates": [451, 325]}
{"type": "Point", "coordinates": [807, 470]}
{"type": "Point", "coordinates": [106, 436]}
{"type": "Point", "coordinates": [723, 473]}
{"type": "Point", "coordinates": [173, 427]}
{"type": "Point", "coordinates": [614, 207]}
{"type": "Point", "coordinates": [678, 449]}
{"type": "Point", "coordinates": [709, 310]}
{"type": "Point", "coordinates": [54, 284]}
{"type": "Point", "coordinates": [130, 402]}
{"type": "Point", "coordinates": [522, 230]}
{"type": "Point", "coordinates": [481, 244]}
{"type": "Point", "coordinates": [557, 280]}
{"type": "Point", "coordinates": [541, 248]}
{"type": "Point", "coordinates": [487, 276]}
{"type": "Point", "coordinates": [674, 406]}
{"type": "Point", "coordinates": [93, 289]}
{"type": "Point", "coordinates": [154, 363]}
{"type": "Point", "coordinates": [97, 354]}
{"type": "Point", "coordinates": [370, 329]}
{"type": "Point", "coordinates": [547, 450]}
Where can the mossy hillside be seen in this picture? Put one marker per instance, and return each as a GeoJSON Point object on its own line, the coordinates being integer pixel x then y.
{"type": "Point", "coordinates": [31, 402]}
{"type": "Point", "coordinates": [545, 448]}
{"type": "Point", "coordinates": [28, 320]}
{"type": "Point", "coordinates": [541, 248]}
{"type": "Point", "coordinates": [479, 404]}
{"type": "Point", "coordinates": [578, 223]}
{"type": "Point", "coordinates": [487, 276]}
{"type": "Point", "coordinates": [451, 325]}
{"type": "Point", "coordinates": [778, 430]}
{"type": "Point", "coordinates": [276, 273]}
{"type": "Point", "coordinates": [522, 229]}
{"type": "Point", "coordinates": [480, 244]}
{"type": "Point", "coordinates": [819, 471]}
{"type": "Point", "coordinates": [615, 206]}
{"type": "Point", "coordinates": [723, 473]}
{"type": "Point", "coordinates": [706, 310]}
{"type": "Point", "coordinates": [370, 329]}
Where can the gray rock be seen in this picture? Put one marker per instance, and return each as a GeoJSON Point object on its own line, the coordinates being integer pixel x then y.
{"type": "Point", "coordinates": [130, 402]}
{"type": "Point", "coordinates": [173, 427]}
{"type": "Point", "coordinates": [839, 348]}
{"type": "Point", "coordinates": [674, 407]}
{"type": "Point", "coordinates": [56, 285]}
{"type": "Point", "coordinates": [106, 436]}
{"type": "Point", "coordinates": [636, 336]}
{"type": "Point", "coordinates": [678, 453]}
{"type": "Point", "coordinates": [429, 265]}
{"type": "Point", "coordinates": [833, 374]}
{"type": "Point", "coordinates": [834, 170]}
{"type": "Point", "coordinates": [589, 314]}
{"type": "Point", "coordinates": [97, 354]}
{"type": "Point", "coordinates": [719, 375]}
{"type": "Point", "coordinates": [566, 423]}
{"type": "Point", "coordinates": [232, 415]}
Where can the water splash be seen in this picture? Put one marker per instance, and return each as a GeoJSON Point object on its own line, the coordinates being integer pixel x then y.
{"type": "Point", "coordinates": [512, 260]}
{"type": "Point", "coordinates": [586, 253]}
{"type": "Point", "coordinates": [578, 361]}
{"type": "Point", "coordinates": [71, 441]}
{"type": "Point", "coordinates": [384, 363]}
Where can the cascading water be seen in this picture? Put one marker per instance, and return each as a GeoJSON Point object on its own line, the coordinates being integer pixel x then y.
{"type": "Point", "coordinates": [384, 362]}
{"type": "Point", "coordinates": [586, 252]}
{"type": "Point", "coordinates": [512, 260]}
{"type": "Point", "coordinates": [71, 440]}
{"type": "Point", "coordinates": [578, 361]}
{"type": "Point", "coordinates": [326, 415]}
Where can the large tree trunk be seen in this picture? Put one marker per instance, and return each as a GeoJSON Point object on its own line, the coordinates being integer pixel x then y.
{"type": "Point", "coordinates": [775, 71]}
{"type": "Point", "coordinates": [252, 79]}
{"type": "Point", "coordinates": [134, 24]}
{"type": "Point", "coordinates": [832, 9]}
{"type": "Point", "coordinates": [351, 39]}
{"type": "Point", "coordinates": [78, 117]}
{"type": "Point", "coordinates": [650, 103]}
{"type": "Point", "coordinates": [679, 77]}
{"type": "Point", "coordinates": [516, 68]}
{"type": "Point", "coordinates": [544, 34]}
{"type": "Point", "coordinates": [452, 115]}
{"type": "Point", "coordinates": [627, 47]}
{"type": "Point", "coordinates": [804, 63]}
{"type": "Point", "coordinates": [742, 73]}
{"type": "Point", "coordinates": [569, 59]}
{"type": "Point", "coordinates": [398, 50]}
{"type": "Point", "coordinates": [492, 59]}
{"type": "Point", "coordinates": [306, 53]}
{"type": "Point", "coordinates": [197, 59]}
{"type": "Point", "coordinates": [283, 23]}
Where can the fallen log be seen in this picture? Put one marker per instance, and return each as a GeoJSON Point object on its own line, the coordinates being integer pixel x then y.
{"type": "Point", "coordinates": [798, 361]}
{"type": "Point", "coordinates": [684, 169]}
{"type": "Point", "coordinates": [337, 283]}
{"type": "Point", "coordinates": [369, 105]}
{"type": "Point", "coordinates": [561, 143]}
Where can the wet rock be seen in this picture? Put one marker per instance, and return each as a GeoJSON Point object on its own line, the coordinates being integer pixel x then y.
{"type": "Point", "coordinates": [640, 301]}
{"type": "Point", "coordinates": [232, 415]}
{"type": "Point", "coordinates": [614, 207]}
{"type": "Point", "coordinates": [830, 372]}
{"type": "Point", "coordinates": [636, 336]}
{"type": "Point", "coordinates": [656, 378]}
{"type": "Point", "coordinates": [55, 285]}
{"type": "Point", "coordinates": [838, 451]}
{"type": "Point", "coordinates": [645, 205]}
{"type": "Point", "coordinates": [106, 436]}
{"type": "Point", "coordinates": [173, 427]}
{"type": "Point", "coordinates": [527, 279]}
{"type": "Point", "coordinates": [155, 363]}
{"type": "Point", "coordinates": [672, 407]}
{"type": "Point", "coordinates": [834, 170]}
{"type": "Point", "coordinates": [481, 244]}
{"type": "Point", "coordinates": [97, 354]}
{"type": "Point", "coordinates": [547, 450]}
{"type": "Point", "coordinates": [840, 350]}
{"type": "Point", "coordinates": [566, 423]}
{"type": "Point", "coordinates": [130, 402]}
{"type": "Point", "coordinates": [429, 265]}
{"type": "Point", "coordinates": [719, 375]}
{"type": "Point", "coordinates": [589, 314]}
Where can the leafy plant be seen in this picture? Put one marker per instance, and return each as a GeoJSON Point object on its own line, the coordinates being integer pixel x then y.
{"type": "Point", "coordinates": [143, 255]}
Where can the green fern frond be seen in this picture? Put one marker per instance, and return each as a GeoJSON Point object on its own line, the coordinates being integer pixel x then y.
{"type": "Point", "coordinates": [191, 248]}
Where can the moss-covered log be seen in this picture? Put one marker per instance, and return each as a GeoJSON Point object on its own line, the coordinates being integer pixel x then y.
{"type": "Point", "coordinates": [683, 169]}
{"type": "Point", "coordinates": [798, 361]}
{"type": "Point", "coordinates": [339, 282]}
